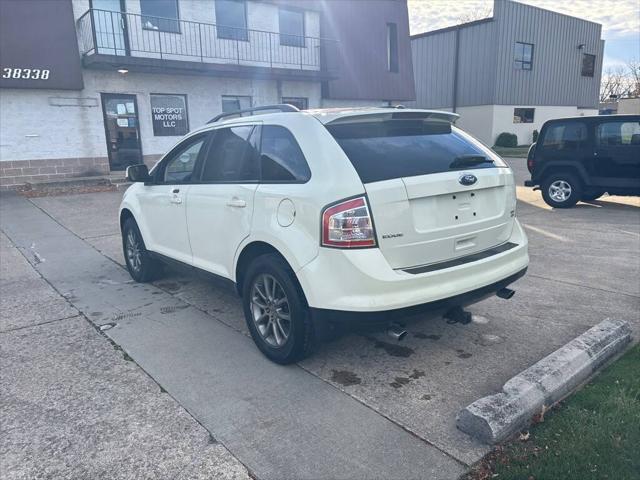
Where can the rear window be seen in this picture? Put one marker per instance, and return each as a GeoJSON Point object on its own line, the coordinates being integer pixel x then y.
{"type": "Point", "coordinates": [406, 148]}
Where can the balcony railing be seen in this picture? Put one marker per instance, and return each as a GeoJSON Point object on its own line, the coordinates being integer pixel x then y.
{"type": "Point", "coordinates": [127, 34]}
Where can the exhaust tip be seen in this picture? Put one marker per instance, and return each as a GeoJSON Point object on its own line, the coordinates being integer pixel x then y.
{"type": "Point", "coordinates": [505, 293]}
{"type": "Point", "coordinates": [397, 333]}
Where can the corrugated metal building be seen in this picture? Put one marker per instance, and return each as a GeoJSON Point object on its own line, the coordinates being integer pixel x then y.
{"type": "Point", "coordinates": [510, 72]}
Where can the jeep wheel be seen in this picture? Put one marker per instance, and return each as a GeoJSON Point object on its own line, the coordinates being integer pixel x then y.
{"type": "Point", "coordinates": [275, 310]}
{"type": "Point", "coordinates": [561, 190]}
{"type": "Point", "coordinates": [142, 267]}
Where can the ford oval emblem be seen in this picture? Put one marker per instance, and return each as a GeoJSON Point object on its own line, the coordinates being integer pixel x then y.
{"type": "Point", "coordinates": [467, 179]}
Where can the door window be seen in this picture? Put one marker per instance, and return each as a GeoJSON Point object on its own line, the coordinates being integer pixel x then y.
{"type": "Point", "coordinates": [281, 158]}
{"type": "Point", "coordinates": [232, 157]}
{"type": "Point", "coordinates": [565, 136]}
{"type": "Point", "coordinates": [179, 167]}
{"type": "Point", "coordinates": [618, 133]}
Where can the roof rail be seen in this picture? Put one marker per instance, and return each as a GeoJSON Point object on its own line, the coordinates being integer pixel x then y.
{"type": "Point", "coordinates": [281, 107]}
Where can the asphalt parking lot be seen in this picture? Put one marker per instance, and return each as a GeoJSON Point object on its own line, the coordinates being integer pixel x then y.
{"type": "Point", "coordinates": [363, 402]}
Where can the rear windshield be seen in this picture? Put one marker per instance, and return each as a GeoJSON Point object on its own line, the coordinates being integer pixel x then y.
{"type": "Point", "coordinates": [406, 148]}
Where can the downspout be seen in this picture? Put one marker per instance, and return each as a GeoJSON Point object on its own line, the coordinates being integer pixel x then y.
{"type": "Point", "coordinates": [455, 71]}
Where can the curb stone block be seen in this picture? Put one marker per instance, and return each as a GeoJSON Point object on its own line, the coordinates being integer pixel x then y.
{"type": "Point", "coordinates": [496, 417]}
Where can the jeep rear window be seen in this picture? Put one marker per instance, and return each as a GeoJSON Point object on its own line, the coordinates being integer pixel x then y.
{"type": "Point", "coordinates": [405, 148]}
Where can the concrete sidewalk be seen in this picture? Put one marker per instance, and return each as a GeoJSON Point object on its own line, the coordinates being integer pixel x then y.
{"type": "Point", "coordinates": [73, 406]}
{"type": "Point", "coordinates": [281, 422]}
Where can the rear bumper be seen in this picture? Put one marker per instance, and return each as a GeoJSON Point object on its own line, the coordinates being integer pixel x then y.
{"type": "Point", "coordinates": [530, 183]}
{"type": "Point", "coordinates": [384, 317]}
{"type": "Point", "coordinates": [363, 281]}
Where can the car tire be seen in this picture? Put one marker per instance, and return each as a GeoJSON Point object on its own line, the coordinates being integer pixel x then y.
{"type": "Point", "coordinates": [591, 195]}
{"type": "Point", "coordinates": [141, 265]}
{"type": "Point", "coordinates": [561, 190]}
{"type": "Point", "coordinates": [276, 311]}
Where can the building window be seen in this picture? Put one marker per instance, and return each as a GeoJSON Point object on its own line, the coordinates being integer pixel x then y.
{"type": "Point", "coordinates": [523, 59]}
{"type": "Point", "coordinates": [588, 65]}
{"type": "Point", "coordinates": [392, 47]}
{"type": "Point", "coordinates": [231, 19]}
{"type": "Point", "coordinates": [523, 115]}
{"type": "Point", "coordinates": [234, 103]}
{"type": "Point", "coordinates": [300, 102]}
{"type": "Point", "coordinates": [291, 27]}
{"type": "Point", "coordinates": [161, 15]}
{"type": "Point", "coordinates": [169, 115]}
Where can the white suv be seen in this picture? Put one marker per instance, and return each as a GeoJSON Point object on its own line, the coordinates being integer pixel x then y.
{"type": "Point", "coordinates": [329, 216]}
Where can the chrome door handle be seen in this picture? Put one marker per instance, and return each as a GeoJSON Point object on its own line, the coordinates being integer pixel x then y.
{"type": "Point", "coordinates": [236, 203]}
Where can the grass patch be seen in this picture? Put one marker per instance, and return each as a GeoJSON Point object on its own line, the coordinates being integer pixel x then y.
{"type": "Point", "coordinates": [594, 434]}
{"type": "Point", "coordinates": [518, 152]}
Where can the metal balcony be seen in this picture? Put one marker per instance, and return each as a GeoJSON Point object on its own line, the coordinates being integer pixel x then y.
{"type": "Point", "coordinates": [117, 39]}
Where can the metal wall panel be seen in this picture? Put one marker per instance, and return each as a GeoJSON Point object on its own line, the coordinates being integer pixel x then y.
{"type": "Point", "coordinates": [361, 28]}
{"type": "Point", "coordinates": [433, 64]}
{"type": "Point", "coordinates": [486, 71]}
{"type": "Point", "coordinates": [556, 75]}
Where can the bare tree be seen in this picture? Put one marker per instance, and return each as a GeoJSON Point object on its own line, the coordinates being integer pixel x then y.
{"type": "Point", "coordinates": [474, 15]}
{"type": "Point", "coordinates": [620, 81]}
{"type": "Point", "coordinates": [633, 68]}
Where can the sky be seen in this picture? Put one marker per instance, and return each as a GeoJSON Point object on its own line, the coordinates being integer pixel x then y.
{"type": "Point", "coordinates": [620, 20]}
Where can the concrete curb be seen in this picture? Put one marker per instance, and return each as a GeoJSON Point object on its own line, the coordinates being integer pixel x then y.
{"type": "Point", "coordinates": [494, 418]}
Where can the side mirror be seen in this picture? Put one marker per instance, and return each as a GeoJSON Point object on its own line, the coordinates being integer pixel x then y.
{"type": "Point", "coordinates": [138, 173]}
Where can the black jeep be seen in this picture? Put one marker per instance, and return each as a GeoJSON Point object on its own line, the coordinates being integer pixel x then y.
{"type": "Point", "coordinates": [582, 158]}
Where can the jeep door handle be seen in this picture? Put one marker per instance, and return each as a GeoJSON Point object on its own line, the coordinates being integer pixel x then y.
{"type": "Point", "coordinates": [236, 203]}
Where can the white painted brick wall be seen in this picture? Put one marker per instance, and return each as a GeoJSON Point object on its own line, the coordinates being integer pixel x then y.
{"type": "Point", "coordinates": [32, 128]}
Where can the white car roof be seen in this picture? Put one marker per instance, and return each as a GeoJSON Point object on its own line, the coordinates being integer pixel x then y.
{"type": "Point", "coordinates": [338, 115]}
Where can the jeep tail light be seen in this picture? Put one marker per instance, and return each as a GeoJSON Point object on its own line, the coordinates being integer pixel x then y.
{"type": "Point", "coordinates": [348, 224]}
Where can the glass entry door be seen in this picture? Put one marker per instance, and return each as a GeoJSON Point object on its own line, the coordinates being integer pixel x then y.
{"type": "Point", "coordinates": [122, 130]}
{"type": "Point", "coordinates": [110, 27]}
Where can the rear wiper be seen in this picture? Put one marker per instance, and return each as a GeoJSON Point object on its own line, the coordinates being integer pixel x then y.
{"type": "Point", "coordinates": [469, 160]}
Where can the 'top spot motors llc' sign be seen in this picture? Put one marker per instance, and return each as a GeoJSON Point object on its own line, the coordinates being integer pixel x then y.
{"type": "Point", "coordinates": [169, 115]}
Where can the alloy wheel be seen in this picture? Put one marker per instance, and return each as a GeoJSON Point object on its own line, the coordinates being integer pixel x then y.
{"type": "Point", "coordinates": [560, 191]}
{"type": "Point", "coordinates": [134, 251]}
{"type": "Point", "coordinates": [270, 310]}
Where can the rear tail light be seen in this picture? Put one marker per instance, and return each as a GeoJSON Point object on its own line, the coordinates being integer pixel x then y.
{"type": "Point", "coordinates": [348, 224]}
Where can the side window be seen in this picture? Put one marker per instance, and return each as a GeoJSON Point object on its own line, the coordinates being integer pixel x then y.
{"type": "Point", "coordinates": [179, 167]}
{"type": "Point", "coordinates": [565, 136]}
{"type": "Point", "coordinates": [232, 156]}
{"type": "Point", "coordinates": [618, 133]}
{"type": "Point", "coordinates": [281, 157]}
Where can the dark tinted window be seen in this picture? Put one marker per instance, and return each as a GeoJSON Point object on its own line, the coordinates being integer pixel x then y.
{"type": "Point", "coordinates": [291, 27]}
{"type": "Point", "coordinates": [179, 167]}
{"type": "Point", "coordinates": [565, 136]}
{"type": "Point", "coordinates": [231, 19]}
{"type": "Point", "coordinates": [232, 156]}
{"type": "Point", "coordinates": [160, 15]}
{"type": "Point", "coordinates": [392, 47]}
{"type": "Point", "coordinates": [281, 157]}
{"type": "Point", "coordinates": [618, 133]}
{"type": "Point", "coordinates": [523, 59]}
{"type": "Point", "coordinates": [404, 148]}
{"type": "Point", "coordinates": [588, 65]}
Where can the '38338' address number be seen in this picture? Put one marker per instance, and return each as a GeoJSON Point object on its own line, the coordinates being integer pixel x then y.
{"type": "Point", "coordinates": [25, 73]}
